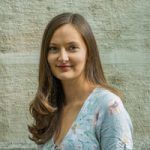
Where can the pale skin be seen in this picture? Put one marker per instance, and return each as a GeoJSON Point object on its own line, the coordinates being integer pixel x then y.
{"type": "Point", "coordinates": [67, 58]}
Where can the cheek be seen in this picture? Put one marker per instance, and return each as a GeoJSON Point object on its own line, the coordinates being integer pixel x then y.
{"type": "Point", "coordinates": [50, 60]}
{"type": "Point", "coordinates": [82, 58]}
{"type": "Point", "coordinates": [80, 61]}
{"type": "Point", "coordinates": [51, 65]}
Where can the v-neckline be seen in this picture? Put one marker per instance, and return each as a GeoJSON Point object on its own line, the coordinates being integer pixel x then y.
{"type": "Point", "coordinates": [75, 120]}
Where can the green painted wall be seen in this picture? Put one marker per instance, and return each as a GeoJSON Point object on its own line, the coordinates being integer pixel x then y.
{"type": "Point", "coordinates": [122, 30]}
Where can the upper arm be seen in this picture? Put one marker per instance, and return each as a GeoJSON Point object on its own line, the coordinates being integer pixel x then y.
{"type": "Point", "coordinates": [114, 126]}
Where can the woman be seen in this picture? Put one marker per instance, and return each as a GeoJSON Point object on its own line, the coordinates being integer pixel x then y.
{"type": "Point", "coordinates": [75, 108]}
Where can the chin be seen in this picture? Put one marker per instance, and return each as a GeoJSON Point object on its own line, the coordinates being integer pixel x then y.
{"type": "Point", "coordinates": [65, 78]}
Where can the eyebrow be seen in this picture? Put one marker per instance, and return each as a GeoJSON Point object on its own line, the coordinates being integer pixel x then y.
{"type": "Point", "coordinates": [69, 43]}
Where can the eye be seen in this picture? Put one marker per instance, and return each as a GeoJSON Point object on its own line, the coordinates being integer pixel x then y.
{"type": "Point", "coordinates": [53, 49]}
{"type": "Point", "coordinates": [72, 48]}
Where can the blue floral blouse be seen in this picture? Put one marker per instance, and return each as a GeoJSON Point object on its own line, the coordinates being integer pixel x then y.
{"type": "Point", "coordinates": [103, 123]}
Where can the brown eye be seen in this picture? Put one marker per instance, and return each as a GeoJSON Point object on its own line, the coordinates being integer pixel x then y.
{"type": "Point", "coordinates": [53, 49]}
{"type": "Point", "coordinates": [72, 48]}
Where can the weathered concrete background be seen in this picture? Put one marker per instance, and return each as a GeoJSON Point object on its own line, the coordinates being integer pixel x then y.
{"type": "Point", "coordinates": [122, 30]}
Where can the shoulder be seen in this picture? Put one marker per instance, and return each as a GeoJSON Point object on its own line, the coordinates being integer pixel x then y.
{"type": "Point", "coordinates": [110, 105]}
{"type": "Point", "coordinates": [111, 108]}
{"type": "Point", "coordinates": [106, 98]}
{"type": "Point", "coordinates": [113, 126]}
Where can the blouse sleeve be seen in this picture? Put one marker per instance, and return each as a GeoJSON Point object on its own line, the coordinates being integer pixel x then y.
{"type": "Point", "coordinates": [114, 127]}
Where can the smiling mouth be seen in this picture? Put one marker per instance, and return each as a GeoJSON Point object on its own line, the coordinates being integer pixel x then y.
{"type": "Point", "coordinates": [64, 68]}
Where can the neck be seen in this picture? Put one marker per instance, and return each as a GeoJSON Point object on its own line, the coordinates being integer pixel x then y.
{"type": "Point", "coordinates": [76, 91]}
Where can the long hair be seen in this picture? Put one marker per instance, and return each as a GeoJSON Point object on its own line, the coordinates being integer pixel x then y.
{"type": "Point", "coordinates": [47, 105]}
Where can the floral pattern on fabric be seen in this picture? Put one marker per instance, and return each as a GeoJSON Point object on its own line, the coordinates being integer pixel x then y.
{"type": "Point", "coordinates": [102, 124]}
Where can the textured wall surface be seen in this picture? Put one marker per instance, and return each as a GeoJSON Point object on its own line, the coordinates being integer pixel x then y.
{"type": "Point", "coordinates": [122, 30]}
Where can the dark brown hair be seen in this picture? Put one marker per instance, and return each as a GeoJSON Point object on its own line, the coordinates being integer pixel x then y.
{"type": "Point", "coordinates": [49, 99]}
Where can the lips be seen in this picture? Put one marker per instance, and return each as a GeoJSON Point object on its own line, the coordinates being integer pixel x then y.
{"type": "Point", "coordinates": [63, 66]}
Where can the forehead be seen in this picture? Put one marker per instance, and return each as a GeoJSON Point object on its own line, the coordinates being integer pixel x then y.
{"type": "Point", "coordinates": [66, 33]}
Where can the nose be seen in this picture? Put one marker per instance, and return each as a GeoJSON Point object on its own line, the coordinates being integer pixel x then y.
{"type": "Point", "coordinates": [63, 55]}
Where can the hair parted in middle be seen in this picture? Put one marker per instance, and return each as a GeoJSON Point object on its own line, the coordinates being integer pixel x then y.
{"type": "Point", "coordinates": [49, 100]}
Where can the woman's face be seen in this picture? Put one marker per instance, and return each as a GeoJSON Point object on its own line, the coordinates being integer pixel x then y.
{"type": "Point", "coordinates": [67, 53]}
